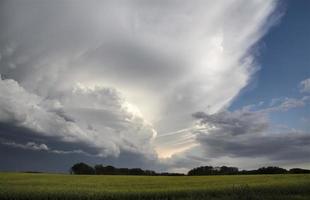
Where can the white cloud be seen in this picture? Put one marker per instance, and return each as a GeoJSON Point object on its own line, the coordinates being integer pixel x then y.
{"type": "Point", "coordinates": [30, 146]}
{"type": "Point", "coordinates": [94, 117]}
{"type": "Point", "coordinates": [167, 58]}
{"type": "Point", "coordinates": [42, 147]}
{"type": "Point", "coordinates": [285, 104]}
{"type": "Point", "coordinates": [305, 86]}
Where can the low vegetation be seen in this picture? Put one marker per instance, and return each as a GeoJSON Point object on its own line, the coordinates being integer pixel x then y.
{"type": "Point", "coordinates": [224, 170]}
{"type": "Point", "coordinates": [26, 186]}
{"type": "Point", "coordinates": [82, 168]}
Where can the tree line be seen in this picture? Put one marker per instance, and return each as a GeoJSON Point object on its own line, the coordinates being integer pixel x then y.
{"type": "Point", "coordinates": [224, 170]}
{"type": "Point", "coordinates": [83, 168]}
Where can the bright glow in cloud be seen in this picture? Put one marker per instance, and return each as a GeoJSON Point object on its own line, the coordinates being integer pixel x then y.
{"type": "Point", "coordinates": [245, 137]}
{"type": "Point", "coordinates": [137, 64]}
{"type": "Point", "coordinates": [94, 117]}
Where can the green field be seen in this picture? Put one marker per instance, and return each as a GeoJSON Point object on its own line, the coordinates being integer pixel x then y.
{"type": "Point", "coordinates": [56, 186]}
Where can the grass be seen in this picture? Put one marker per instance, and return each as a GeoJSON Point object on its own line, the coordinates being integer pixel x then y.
{"type": "Point", "coordinates": [24, 186]}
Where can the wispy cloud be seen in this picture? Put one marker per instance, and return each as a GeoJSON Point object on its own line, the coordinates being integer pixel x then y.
{"type": "Point", "coordinates": [305, 86]}
{"type": "Point", "coordinates": [43, 147]}
{"type": "Point", "coordinates": [29, 146]}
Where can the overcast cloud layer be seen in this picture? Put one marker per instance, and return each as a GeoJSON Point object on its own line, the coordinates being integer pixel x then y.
{"type": "Point", "coordinates": [126, 76]}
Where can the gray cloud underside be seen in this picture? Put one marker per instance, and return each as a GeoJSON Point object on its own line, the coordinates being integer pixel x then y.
{"type": "Point", "coordinates": [244, 137]}
{"type": "Point", "coordinates": [59, 155]}
{"type": "Point", "coordinates": [248, 133]}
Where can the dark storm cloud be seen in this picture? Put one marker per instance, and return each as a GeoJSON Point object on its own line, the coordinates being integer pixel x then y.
{"type": "Point", "coordinates": [27, 139]}
{"type": "Point", "coordinates": [285, 146]}
{"type": "Point", "coordinates": [23, 159]}
{"type": "Point", "coordinates": [21, 149]}
{"type": "Point", "coordinates": [18, 159]}
{"type": "Point", "coordinates": [236, 123]}
{"type": "Point", "coordinates": [247, 133]}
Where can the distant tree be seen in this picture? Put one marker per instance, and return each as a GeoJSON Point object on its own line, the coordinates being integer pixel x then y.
{"type": "Point", "coordinates": [99, 169]}
{"type": "Point", "coordinates": [82, 168]}
{"type": "Point", "coordinates": [228, 170]}
{"type": "Point", "coordinates": [110, 170]}
{"type": "Point", "coordinates": [136, 171]}
{"type": "Point", "coordinates": [271, 170]}
{"type": "Point", "coordinates": [203, 170]}
{"type": "Point", "coordinates": [149, 173]}
{"type": "Point", "coordinates": [299, 171]}
{"type": "Point", "coordinates": [170, 174]}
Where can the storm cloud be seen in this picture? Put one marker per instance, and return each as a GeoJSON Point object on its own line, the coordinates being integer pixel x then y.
{"type": "Point", "coordinates": [97, 117]}
{"type": "Point", "coordinates": [249, 133]}
{"type": "Point", "coordinates": [118, 77]}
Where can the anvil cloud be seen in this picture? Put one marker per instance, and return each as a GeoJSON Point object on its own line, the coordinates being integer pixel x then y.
{"type": "Point", "coordinates": [119, 76]}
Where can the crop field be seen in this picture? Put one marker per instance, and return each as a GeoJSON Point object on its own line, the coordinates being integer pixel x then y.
{"type": "Point", "coordinates": [26, 186]}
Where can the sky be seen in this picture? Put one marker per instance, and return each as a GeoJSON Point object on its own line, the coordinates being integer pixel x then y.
{"type": "Point", "coordinates": [162, 85]}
